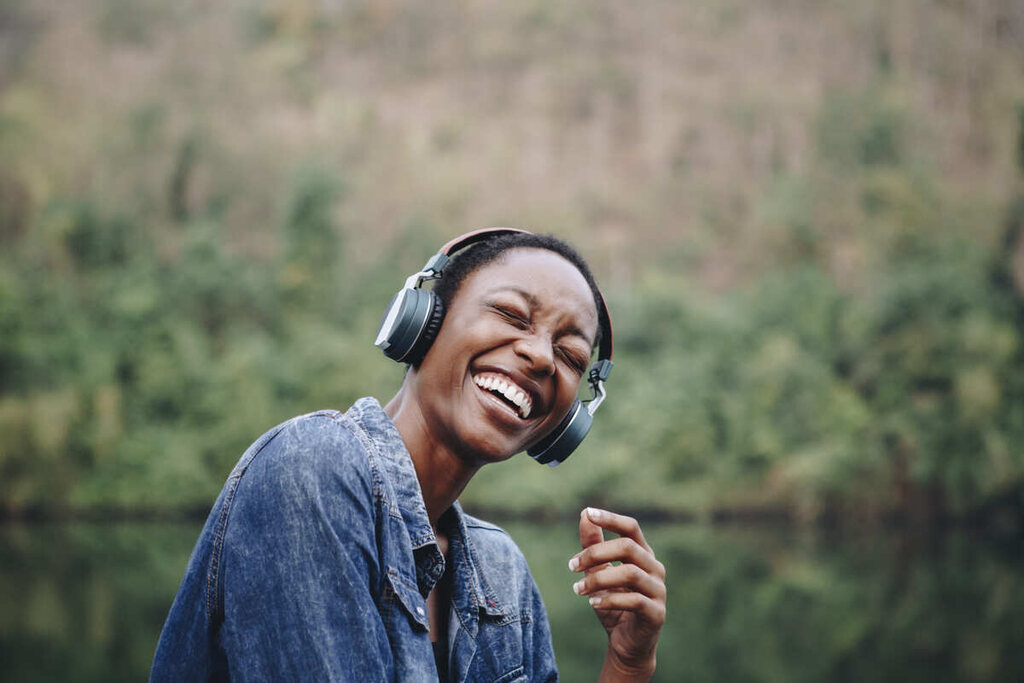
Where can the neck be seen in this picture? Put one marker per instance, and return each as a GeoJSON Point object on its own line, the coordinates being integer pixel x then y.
{"type": "Point", "coordinates": [442, 474]}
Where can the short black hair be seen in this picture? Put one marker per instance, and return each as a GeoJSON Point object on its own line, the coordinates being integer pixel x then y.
{"type": "Point", "coordinates": [482, 253]}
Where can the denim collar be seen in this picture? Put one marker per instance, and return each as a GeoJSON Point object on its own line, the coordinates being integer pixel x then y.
{"type": "Point", "coordinates": [397, 468]}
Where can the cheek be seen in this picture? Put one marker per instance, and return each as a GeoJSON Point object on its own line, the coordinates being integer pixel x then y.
{"type": "Point", "coordinates": [462, 337]}
{"type": "Point", "coordinates": [568, 390]}
{"type": "Point", "coordinates": [448, 358]}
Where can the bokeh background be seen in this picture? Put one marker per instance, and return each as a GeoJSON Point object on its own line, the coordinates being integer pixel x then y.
{"type": "Point", "coordinates": [807, 218]}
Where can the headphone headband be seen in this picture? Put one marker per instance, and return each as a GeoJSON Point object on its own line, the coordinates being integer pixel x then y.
{"type": "Point", "coordinates": [463, 241]}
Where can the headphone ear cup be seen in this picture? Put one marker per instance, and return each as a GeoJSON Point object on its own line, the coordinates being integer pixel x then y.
{"type": "Point", "coordinates": [429, 332]}
{"type": "Point", "coordinates": [554, 448]}
{"type": "Point", "coordinates": [402, 326]}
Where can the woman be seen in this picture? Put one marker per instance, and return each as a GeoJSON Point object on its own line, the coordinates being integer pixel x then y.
{"type": "Point", "coordinates": [337, 549]}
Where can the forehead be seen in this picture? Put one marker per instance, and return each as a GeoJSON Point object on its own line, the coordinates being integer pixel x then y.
{"type": "Point", "coordinates": [548, 279]}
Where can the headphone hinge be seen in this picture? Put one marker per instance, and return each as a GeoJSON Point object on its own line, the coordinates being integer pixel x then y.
{"type": "Point", "coordinates": [599, 395]}
{"type": "Point", "coordinates": [436, 264]}
{"type": "Point", "coordinates": [601, 370]}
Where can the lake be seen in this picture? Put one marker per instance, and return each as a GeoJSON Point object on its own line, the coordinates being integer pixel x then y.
{"type": "Point", "coordinates": [85, 602]}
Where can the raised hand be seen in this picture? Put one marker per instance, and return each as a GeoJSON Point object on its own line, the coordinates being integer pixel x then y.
{"type": "Point", "coordinates": [628, 598]}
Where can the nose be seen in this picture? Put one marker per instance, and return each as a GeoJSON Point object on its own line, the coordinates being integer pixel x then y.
{"type": "Point", "coordinates": [539, 351]}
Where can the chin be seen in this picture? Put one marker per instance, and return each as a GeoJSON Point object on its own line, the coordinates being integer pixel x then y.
{"type": "Point", "coordinates": [483, 450]}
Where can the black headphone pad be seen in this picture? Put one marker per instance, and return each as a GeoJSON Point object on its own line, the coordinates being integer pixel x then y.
{"type": "Point", "coordinates": [565, 438]}
{"type": "Point", "coordinates": [429, 332]}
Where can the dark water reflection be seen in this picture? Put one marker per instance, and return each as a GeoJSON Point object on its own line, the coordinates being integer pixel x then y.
{"type": "Point", "coordinates": [85, 602]}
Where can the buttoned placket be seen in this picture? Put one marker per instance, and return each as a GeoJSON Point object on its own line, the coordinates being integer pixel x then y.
{"type": "Point", "coordinates": [470, 595]}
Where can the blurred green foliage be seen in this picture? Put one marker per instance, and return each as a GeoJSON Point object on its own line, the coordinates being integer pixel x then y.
{"type": "Point", "coordinates": [895, 395]}
{"type": "Point", "coordinates": [136, 367]}
{"type": "Point", "coordinates": [132, 380]}
{"type": "Point", "coordinates": [817, 286]}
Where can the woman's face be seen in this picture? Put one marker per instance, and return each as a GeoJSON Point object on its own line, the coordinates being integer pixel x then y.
{"type": "Point", "coordinates": [507, 362]}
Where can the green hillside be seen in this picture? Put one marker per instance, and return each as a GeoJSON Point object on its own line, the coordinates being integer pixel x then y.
{"type": "Point", "coordinates": [807, 219]}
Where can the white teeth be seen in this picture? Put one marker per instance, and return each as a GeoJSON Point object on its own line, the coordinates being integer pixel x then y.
{"type": "Point", "coordinates": [510, 391]}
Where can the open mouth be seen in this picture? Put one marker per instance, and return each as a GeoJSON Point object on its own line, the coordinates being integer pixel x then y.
{"type": "Point", "coordinates": [507, 390]}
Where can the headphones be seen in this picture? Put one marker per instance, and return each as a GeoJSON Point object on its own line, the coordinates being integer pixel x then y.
{"type": "Point", "coordinates": [414, 317]}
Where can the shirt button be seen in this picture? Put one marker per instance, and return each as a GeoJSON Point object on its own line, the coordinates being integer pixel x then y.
{"type": "Point", "coordinates": [419, 611]}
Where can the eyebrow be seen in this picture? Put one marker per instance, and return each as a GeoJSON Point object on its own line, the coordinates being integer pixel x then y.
{"type": "Point", "coordinates": [534, 301]}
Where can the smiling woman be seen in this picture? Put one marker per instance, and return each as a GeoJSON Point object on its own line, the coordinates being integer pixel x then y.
{"type": "Point", "coordinates": [337, 549]}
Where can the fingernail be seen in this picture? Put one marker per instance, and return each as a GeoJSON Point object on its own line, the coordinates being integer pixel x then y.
{"type": "Point", "coordinates": [594, 514]}
{"type": "Point", "coordinates": [577, 587]}
{"type": "Point", "coordinates": [595, 601]}
{"type": "Point", "coordinates": [574, 564]}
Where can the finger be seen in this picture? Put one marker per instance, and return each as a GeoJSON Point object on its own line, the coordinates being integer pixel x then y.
{"type": "Point", "coordinates": [624, 577]}
{"type": "Point", "coordinates": [652, 611]}
{"type": "Point", "coordinates": [590, 533]}
{"type": "Point", "coordinates": [622, 549]}
{"type": "Point", "coordinates": [620, 524]}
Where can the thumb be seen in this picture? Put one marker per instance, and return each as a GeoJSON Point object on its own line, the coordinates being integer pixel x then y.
{"type": "Point", "coordinates": [590, 533]}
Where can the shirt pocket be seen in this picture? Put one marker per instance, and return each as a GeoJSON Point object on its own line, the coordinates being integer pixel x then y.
{"type": "Point", "coordinates": [402, 596]}
{"type": "Point", "coordinates": [514, 676]}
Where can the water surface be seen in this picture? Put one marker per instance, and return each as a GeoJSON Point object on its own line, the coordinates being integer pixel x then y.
{"type": "Point", "coordinates": [85, 602]}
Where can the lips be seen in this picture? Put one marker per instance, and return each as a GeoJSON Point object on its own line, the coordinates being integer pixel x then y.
{"type": "Point", "coordinates": [506, 389]}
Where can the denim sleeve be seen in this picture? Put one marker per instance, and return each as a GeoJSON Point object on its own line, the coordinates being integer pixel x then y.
{"type": "Point", "coordinates": [299, 569]}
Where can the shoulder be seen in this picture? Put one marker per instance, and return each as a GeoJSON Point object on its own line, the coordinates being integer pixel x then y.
{"type": "Point", "coordinates": [502, 564]}
{"type": "Point", "coordinates": [306, 454]}
{"type": "Point", "coordinates": [486, 535]}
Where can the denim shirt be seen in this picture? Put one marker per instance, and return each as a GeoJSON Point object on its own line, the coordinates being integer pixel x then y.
{"type": "Point", "coordinates": [316, 561]}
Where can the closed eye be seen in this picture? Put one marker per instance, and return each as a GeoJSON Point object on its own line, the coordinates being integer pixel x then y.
{"type": "Point", "coordinates": [513, 317]}
{"type": "Point", "coordinates": [573, 360]}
